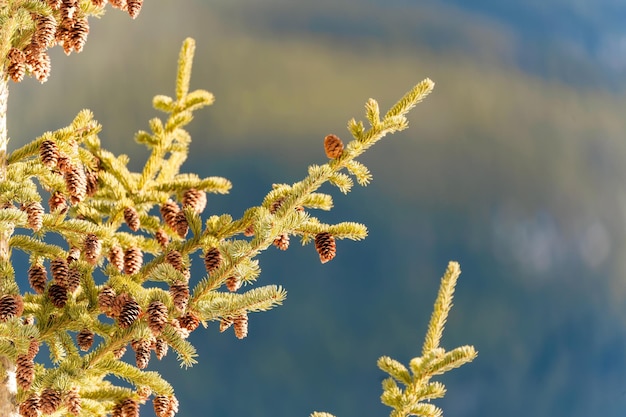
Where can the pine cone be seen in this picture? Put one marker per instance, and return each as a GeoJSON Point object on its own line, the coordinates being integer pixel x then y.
{"type": "Point", "coordinates": [92, 248]}
{"type": "Point", "coordinates": [157, 316]}
{"type": "Point", "coordinates": [57, 295]}
{"type": "Point", "coordinates": [33, 348]}
{"type": "Point", "coordinates": [57, 202]}
{"type": "Point", "coordinates": [233, 283]}
{"type": "Point", "coordinates": [37, 277]}
{"type": "Point", "coordinates": [78, 33]}
{"type": "Point", "coordinates": [276, 205]}
{"type": "Point", "coordinates": [76, 183]}
{"type": "Point", "coordinates": [10, 306]}
{"type": "Point", "coordinates": [225, 323]}
{"type": "Point", "coordinates": [38, 60]}
{"type": "Point", "coordinates": [49, 153]}
{"type": "Point", "coordinates": [45, 28]}
{"type": "Point", "coordinates": [72, 401]}
{"type": "Point", "coordinates": [175, 259]}
{"type": "Point", "coordinates": [325, 246]}
{"type": "Point", "coordinates": [59, 269]}
{"type": "Point", "coordinates": [119, 352]}
{"type": "Point", "coordinates": [165, 405]}
{"type": "Point", "coordinates": [99, 3]}
{"type": "Point", "coordinates": [73, 279]}
{"type": "Point", "coordinates": [30, 407]}
{"type": "Point", "coordinates": [169, 210]}
{"type": "Point", "coordinates": [131, 217]}
{"type": "Point", "coordinates": [134, 7]}
{"type": "Point", "coordinates": [212, 260]}
{"type": "Point", "coordinates": [92, 182]}
{"type": "Point", "coordinates": [63, 163]}
{"type": "Point", "coordinates": [249, 231]}
{"type": "Point", "coordinates": [17, 64]}
{"type": "Point", "coordinates": [85, 339]}
{"type": "Point", "coordinates": [116, 257]}
{"type": "Point", "coordinates": [189, 321]}
{"type": "Point", "coordinates": [50, 400]}
{"type": "Point", "coordinates": [106, 298]}
{"type": "Point", "coordinates": [162, 238]}
{"type": "Point", "coordinates": [73, 255]}
{"type": "Point", "coordinates": [195, 199]}
{"type": "Point", "coordinates": [181, 225]}
{"type": "Point", "coordinates": [240, 325]}
{"type": "Point", "coordinates": [333, 146]}
{"type": "Point", "coordinates": [142, 352]}
{"type": "Point", "coordinates": [34, 213]}
{"type": "Point", "coordinates": [117, 411]}
{"type": "Point", "coordinates": [160, 348]}
{"type": "Point", "coordinates": [24, 371]}
{"type": "Point", "coordinates": [180, 295]}
{"type": "Point", "coordinates": [129, 313]}
{"type": "Point", "coordinates": [282, 241]}
{"type": "Point", "coordinates": [133, 260]}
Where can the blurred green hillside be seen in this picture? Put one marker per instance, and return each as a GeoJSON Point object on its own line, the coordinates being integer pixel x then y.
{"type": "Point", "coordinates": [517, 174]}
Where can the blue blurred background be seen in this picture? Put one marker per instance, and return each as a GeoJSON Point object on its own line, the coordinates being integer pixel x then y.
{"type": "Point", "coordinates": [514, 167]}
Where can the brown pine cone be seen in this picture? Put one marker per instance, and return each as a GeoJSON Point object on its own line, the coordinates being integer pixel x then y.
{"type": "Point", "coordinates": [131, 217]}
{"type": "Point", "coordinates": [24, 371]}
{"type": "Point", "coordinates": [78, 33]}
{"type": "Point", "coordinates": [34, 213]}
{"type": "Point", "coordinates": [162, 238]}
{"type": "Point", "coordinates": [276, 205]}
{"type": "Point", "coordinates": [282, 241]}
{"type": "Point", "coordinates": [84, 339]}
{"type": "Point", "coordinates": [165, 405]}
{"type": "Point", "coordinates": [142, 352]}
{"type": "Point", "coordinates": [249, 231]}
{"type": "Point", "coordinates": [233, 283]}
{"type": "Point", "coordinates": [119, 352]}
{"type": "Point", "coordinates": [92, 182]}
{"type": "Point", "coordinates": [116, 257]}
{"type": "Point", "coordinates": [49, 153]}
{"type": "Point", "coordinates": [72, 401]}
{"type": "Point", "coordinates": [134, 7]}
{"type": "Point", "coordinates": [179, 292]}
{"type": "Point", "coordinates": [59, 269]}
{"type": "Point", "coordinates": [73, 279]}
{"type": "Point", "coordinates": [240, 325]}
{"type": "Point", "coordinates": [157, 316]}
{"type": "Point", "coordinates": [325, 246]}
{"type": "Point", "coordinates": [30, 407]}
{"type": "Point", "coordinates": [76, 183]}
{"type": "Point", "coordinates": [106, 298]}
{"type": "Point", "coordinates": [181, 225]}
{"type": "Point", "coordinates": [17, 64]}
{"type": "Point", "coordinates": [175, 259]}
{"type": "Point", "coordinates": [73, 255]}
{"type": "Point", "coordinates": [169, 210]}
{"type": "Point", "coordinates": [129, 313]}
{"type": "Point", "coordinates": [133, 260]}
{"type": "Point", "coordinates": [10, 306]}
{"type": "Point", "coordinates": [196, 199]}
{"type": "Point", "coordinates": [92, 248]}
{"type": "Point", "coordinates": [33, 348]}
{"type": "Point", "coordinates": [37, 277]}
{"type": "Point", "coordinates": [333, 146]}
{"type": "Point", "coordinates": [160, 348]}
{"type": "Point", "coordinates": [225, 323]}
{"type": "Point", "coordinates": [189, 321]}
{"type": "Point", "coordinates": [212, 260]}
{"type": "Point", "coordinates": [45, 28]}
{"type": "Point", "coordinates": [50, 400]}
{"type": "Point", "coordinates": [57, 202]}
{"type": "Point", "coordinates": [58, 295]}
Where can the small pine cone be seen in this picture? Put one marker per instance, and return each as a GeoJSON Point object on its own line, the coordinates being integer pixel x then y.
{"type": "Point", "coordinates": [34, 213]}
{"type": "Point", "coordinates": [212, 260]}
{"type": "Point", "coordinates": [50, 400]}
{"type": "Point", "coordinates": [92, 182]}
{"type": "Point", "coordinates": [99, 3]}
{"type": "Point", "coordinates": [49, 153]}
{"type": "Point", "coordinates": [160, 348]}
{"type": "Point", "coordinates": [58, 295]}
{"type": "Point", "coordinates": [142, 352]}
{"type": "Point", "coordinates": [195, 199]}
{"type": "Point", "coordinates": [143, 393]}
{"type": "Point", "coordinates": [162, 238]}
{"type": "Point", "coordinates": [189, 321]}
{"type": "Point", "coordinates": [175, 259]}
{"type": "Point", "coordinates": [73, 279]}
{"type": "Point", "coordinates": [117, 411]}
{"type": "Point", "coordinates": [180, 295]}
{"type": "Point", "coordinates": [240, 325]}
{"type": "Point", "coordinates": [41, 67]}
{"type": "Point", "coordinates": [165, 406]}
{"type": "Point", "coordinates": [37, 278]}
{"type": "Point", "coordinates": [17, 65]}
{"type": "Point", "coordinates": [325, 246]}
{"type": "Point", "coordinates": [133, 260]}
{"type": "Point", "coordinates": [24, 371]}
{"type": "Point", "coordinates": [45, 29]}
{"type": "Point", "coordinates": [106, 298]}
{"type": "Point", "coordinates": [84, 338]}
{"type": "Point", "coordinates": [181, 226]}
{"type": "Point", "coordinates": [28, 320]}
{"type": "Point", "coordinates": [333, 146]}
{"type": "Point", "coordinates": [134, 7]}
{"type": "Point", "coordinates": [131, 217]}
{"type": "Point", "coordinates": [119, 352]}
{"type": "Point", "coordinates": [30, 407]}
{"type": "Point", "coordinates": [157, 316]}
{"type": "Point", "coordinates": [225, 323]}
{"type": "Point", "coordinates": [282, 242]}
{"type": "Point", "coordinates": [33, 348]}
{"type": "Point", "coordinates": [129, 313]}
{"type": "Point", "coordinates": [78, 33]}
{"type": "Point", "coordinates": [116, 257]}
{"type": "Point", "coordinates": [233, 283]}
{"type": "Point", "coordinates": [118, 4]}
{"type": "Point", "coordinates": [60, 270]}
{"type": "Point", "coordinates": [10, 306]}
{"type": "Point", "coordinates": [169, 210]}
{"type": "Point", "coordinates": [72, 401]}
{"type": "Point", "coordinates": [57, 202]}
{"type": "Point", "coordinates": [249, 231]}
{"type": "Point", "coordinates": [73, 255]}
{"type": "Point", "coordinates": [64, 164]}
{"type": "Point", "coordinates": [92, 248]}
{"type": "Point", "coordinates": [76, 183]}
{"type": "Point", "coordinates": [276, 205]}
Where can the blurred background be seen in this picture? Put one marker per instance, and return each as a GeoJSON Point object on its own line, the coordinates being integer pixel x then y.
{"type": "Point", "coordinates": [514, 166]}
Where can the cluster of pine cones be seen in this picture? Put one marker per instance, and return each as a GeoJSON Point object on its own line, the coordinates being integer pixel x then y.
{"type": "Point", "coordinates": [66, 26]}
